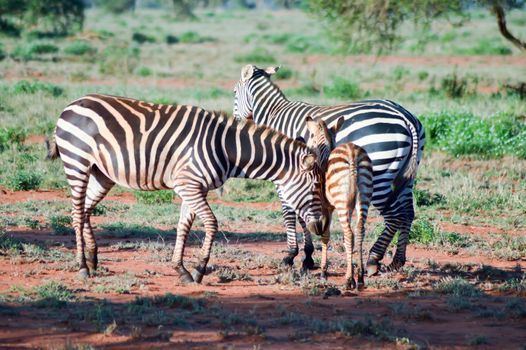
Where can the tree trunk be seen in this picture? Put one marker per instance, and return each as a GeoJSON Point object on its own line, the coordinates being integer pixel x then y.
{"type": "Point", "coordinates": [503, 28]}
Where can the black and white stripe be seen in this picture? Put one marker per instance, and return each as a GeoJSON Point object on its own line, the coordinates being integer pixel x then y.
{"type": "Point", "coordinates": [392, 137]}
{"type": "Point", "coordinates": [104, 140]}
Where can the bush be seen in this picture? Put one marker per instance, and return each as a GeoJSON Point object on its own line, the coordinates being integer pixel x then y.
{"type": "Point", "coordinates": [119, 60]}
{"type": "Point", "coordinates": [154, 197]}
{"type": "Point", "coordinates": [484, 47]}
{"type": "Point", "coordinates": [31, 87]}
{"type": "Point", "coordinates": [142, 38]}
{"type": "Point", "coordinates": [306, 90]}
{"type": "Point", "coordinates": [115, 6]}
{"type": "Point", "coordinates": [457, 287]}
{"type": "Point", "coordinates": [194, 38]}
{"type": "Point", "coordinates": [279, 39]}
{"type": "Point", "coordinates": [144, 71]}
{"type": "Point", "coordinates": [11, 136]}
{"type": "Point", "coordinates": [306, 44]}
{"type": "Point", "coordinates": [257, 56]}
{"type": "Point", "coordinates": [454, 86]}
{"type": "Point", "coordinates": [79, 48]}
{"type": "Point", "coordinates": [424, 198]}
{"type": "Point", "coordinates": [342, 88]}
{"type": "Point", "coordinates": [284, 73]}
{"type": "Point", "coordinates": [465, 134]}
{"type": "Point", "coordinates": [2, 52]}
{"type": "Point", "coordinates": [23, 180]}
{"type": "Point", "coordinates": [171, 39]}
{"type": "Point", "coordinates": [30, 51]}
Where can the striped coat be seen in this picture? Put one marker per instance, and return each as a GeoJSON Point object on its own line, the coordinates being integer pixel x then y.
{"type": "Point", "coordinates": [103, 140]}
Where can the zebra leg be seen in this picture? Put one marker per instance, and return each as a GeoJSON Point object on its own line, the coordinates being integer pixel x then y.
{"type": "Point", "coordinates": [360, 229]}
{"type": "Point", "coordinates": [308, 248]}
{"type": "Point", "coordinates": [200, 206]}
{"type": "Point", "coordinates": [325, 238]}
{"type": "Point", "coordinates": [98, 187]}
{"type": "Point", "coordinates": [377, 252]}
{"type": "Point", "coordinates": [78, 184]}
{"type": "Point", "coordinates": [186, 219]}
{"type": "Point", "coordinates": [348, 241]}
{"type": "Point", "coordinates": [289, 218]}
{"type": "Point", "coordinates": [404, 227]}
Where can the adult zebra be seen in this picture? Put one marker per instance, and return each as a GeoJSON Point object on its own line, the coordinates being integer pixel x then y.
{"type": "Point", "coordinates": [104, 140]}
{"type": "Point", "coordinates": [392, 136]}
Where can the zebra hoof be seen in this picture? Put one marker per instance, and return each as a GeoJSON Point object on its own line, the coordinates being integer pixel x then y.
{"type": "Point", "coordinates": [361, 285]}
{"type": "Point", "coordinates": [396, 265]}
{"type": "Point", "coordinates": [373, 267]}
{"type": "Point", "coordinates": [83, 273]}
{"type": "Point", "coordinates": [197, 275]}
{"type": "Point", "coordinates": [308, 263]}
{"type": "Point", "coordinates": [184, 276]}
{"type": "Point", "coordinates": [324, 275]}
{"type": "Point", "coordinates": [288, 261]}
{"type": "Point", "coordinates": [350, 284]}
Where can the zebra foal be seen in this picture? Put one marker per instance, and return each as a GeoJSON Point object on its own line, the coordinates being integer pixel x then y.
{"type": "Point", "coordinates": [348, 185]}
{"type": "Point", "coordinates": [103, 140]}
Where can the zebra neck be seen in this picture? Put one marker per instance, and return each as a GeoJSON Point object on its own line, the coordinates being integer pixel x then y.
{"type": "Point", "coordinates": [257, 152]}
{"type": "Point", "coordinates": [286, 116]}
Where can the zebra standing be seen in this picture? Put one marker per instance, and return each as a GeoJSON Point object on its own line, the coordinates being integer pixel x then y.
{"type": "Point", "coordinates": [392, 137]}
{"type": "Point", "coordinates": [348, 185]}
{"type": "Point", "coordinates": [104, 140]}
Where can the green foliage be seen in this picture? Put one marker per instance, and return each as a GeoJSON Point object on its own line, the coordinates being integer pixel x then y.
{"type": "Point", "coordinates": [424, 198]}
{"type": "Point", "coordinates": [258, 56]}
{"type": "Point", "coordinates": [142, 38]}
{"type": "Point", "coordinates": [61, 224]}
{"type": "Point", "coordinates": [306, 44]}
{"type": "Point", "coordinates": [342, 88]}
{"type": "Point", "coordinates": [454, 86]}
{"type": "Point", "coordinates": [11, 137]}
{"type": "Point", "coordinates": [2, 52]}
{"type": "Point", "coordinates": [484, 46]}
{"type": "Point", "coordinates": [171, 39]}
{"type": "Point", "coordinates": [191, 37]}
{"type": "Point", "coordinates": [119, 60]}
{"type": "Point", "coordinates": [154, 197]}
{"type": "Point", "coordinates": [23, 180]}
{"type": "Point", "coordinates": [226, 274]}
{"type": "Point", "coordinates": [465, 134]}
{"type": "Point", "coordinates": [115, 6]}
{"type": "Point", "coordinates": [143, 71]}
{"type": "Point", "coordinates": [28, 52]}
{"type": "Point", "coordinates": [305, 90]}
{"type": "Point", "coordinates": [52, 294]}
{"type": "Point", "coordinates": [284, 73]}
{"type": "Point", "coordinates": [80, 48]}
{"type": "Point", "coordinates": [457, 287]}
{"type": "Point", "coordinates": [246, 190]}
{"type": "Point", "coordinates": [32, 87]}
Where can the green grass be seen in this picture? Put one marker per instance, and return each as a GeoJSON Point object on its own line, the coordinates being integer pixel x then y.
{"type": "Point", "coordinates": [32, 87]}
{"type": "Point", "coordinates": [154, 197]}
{"type": "Point", "coordinates": [33, 51]}
{"type": "Point", "coordinates": [80, 48]}
{"type": "Point", "coordinates": [457, 287]}
{"type": "Point", "coordinates": [257, 56]}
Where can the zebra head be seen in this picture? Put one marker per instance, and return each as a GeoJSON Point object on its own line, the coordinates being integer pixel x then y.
{"type": "Point", "coordinates": [302, 190]}
{"type": "Point", "coordinates": [252, 79]}
{"type": "Point", "coordinates": [322, 139]}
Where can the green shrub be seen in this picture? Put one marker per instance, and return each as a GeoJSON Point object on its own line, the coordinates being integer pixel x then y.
{"type": "Point", "coordinates": [32, 87]}
{"type": "Point", "coordinates": [284, 73]}
{"type": "Point", "coordinates": [119, 60]}
{"type": "Point", "coordinates": [484, 47]}
{"type": "Point", "coordinates": [465, 134]}
{"type": "Point", "coordinates": [79, 48]}
{"type": "Point", "coordinates": [23, 180]}
{"type": "Point", "coordinates": [457, 287]}
{"type": "Point", "coordinates": [2, 52]}
{"type": "Point", "coordinates": [306, 90]}
{"type": "Point", "coordinates": [257, 56]}
{"type": "Point", "coordinates": [306, 44]}
{"type": "Point", "coordinates": [11, 136]}
{"type": "Point", "coordinates": [423, 75]}
{"type": "Point", "coordinates": [245, 190]}
{"type": "Point", "coordinates": [154, 197]}
{"type": "Point", "coordinates": [279, 39]}
{"type": "Point", "coordinates": [29, 52]}
{"type": "Point", "coordinates": [144, 71]}
{"type": "Point", "coordinates": [115, 6]}
{"type": "Point", "coordinates": [191, 37]}
{"type": "Point", "coordinates": [142, 38]}
{"type": "Point", "coordinates": [171, 39]}
{"type": "Point", "coordinates": [342, 88]}
{"type": "Point", "coordinates": [454, 86]}
{"type": "Point", "coordinates": [424, 198]}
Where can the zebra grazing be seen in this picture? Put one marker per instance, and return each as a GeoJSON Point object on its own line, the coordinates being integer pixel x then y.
{"type": "Point", "coordinates": [392, 137]}
{"type": "Point", "coordinates": [104, 140]}
{"type": "Point", "coordinates": [348, 185]}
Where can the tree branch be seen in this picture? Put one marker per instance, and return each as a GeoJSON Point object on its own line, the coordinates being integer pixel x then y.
{"type": "Point", "coordinates": [501, 20]}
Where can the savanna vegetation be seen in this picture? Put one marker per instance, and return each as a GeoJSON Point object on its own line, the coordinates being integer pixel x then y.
{"type": "Point", "coordinates": [468, 247]}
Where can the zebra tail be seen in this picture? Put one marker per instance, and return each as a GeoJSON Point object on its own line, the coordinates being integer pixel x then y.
{"type": "Point", "coordinates": [52, 149]}
{"type": "Point", "coordinates": [411, 167]}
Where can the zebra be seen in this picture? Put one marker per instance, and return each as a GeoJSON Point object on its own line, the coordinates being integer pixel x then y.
{"type": "Point", "coordinates": [348, 185]}
{"type": "Point", "coordinates": [392, 137]}
{"type": "Point", "coordinates": [105, 140]}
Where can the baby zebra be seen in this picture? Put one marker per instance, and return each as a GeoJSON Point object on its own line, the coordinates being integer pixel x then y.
{"type": "Point", "coordinates": [348, 185]}
{"type": "Point", "coordinates": [104, 140]}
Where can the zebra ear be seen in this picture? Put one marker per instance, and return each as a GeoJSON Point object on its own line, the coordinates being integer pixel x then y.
{"type": "Point", "coordinates": [308, 161]}
{"type": "Point", "coordinates": [272, 70]}
{"type": "Point", "coordinates": [300, 139]}
{"type": "Point", "coordinates": [312, 125]}
{"type": "Point", "coordinates": [247, 72]}
{"type": "Point", "coordinates": [336, 127]}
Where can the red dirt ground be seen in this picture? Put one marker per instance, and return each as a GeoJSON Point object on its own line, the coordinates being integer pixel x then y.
{"type": "Point", "coordinates": [426, 321]}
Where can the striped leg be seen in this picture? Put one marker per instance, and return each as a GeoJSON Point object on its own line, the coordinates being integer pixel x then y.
{"type": "Point", "coordinates": [363, 209]}
{"type": "Point", "coordinates": [404, 227]}
{"type": "Point", "coordinates": [196, 201]}
{"type": "Point", "coordinates": [344, 215]}
{"type": "Point", "coordinates": [380, 246]}
{"type": "Point", "coordinates": [185, 223]}
{"type": "Point", "coordinates": [78, 184]}
{"type": "Point", "coordinates": [289, 219]}
{"type": "Point", "coordinates": [308, 248]}
{"type": "Point", "coordinates": [98, 187]}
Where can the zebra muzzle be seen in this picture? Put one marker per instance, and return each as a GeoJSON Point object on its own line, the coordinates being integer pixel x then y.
{"type": "Point", "coordinates": [316, 227]}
